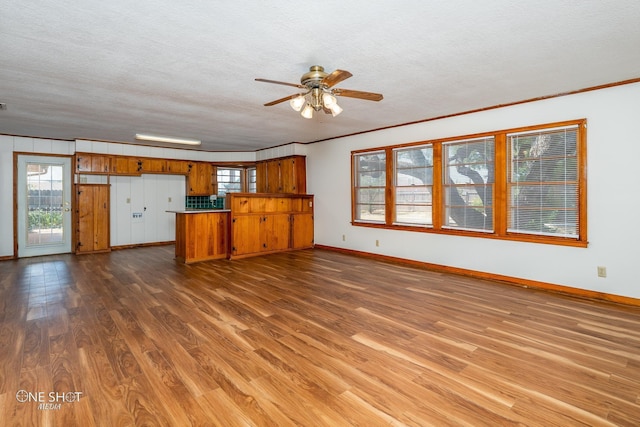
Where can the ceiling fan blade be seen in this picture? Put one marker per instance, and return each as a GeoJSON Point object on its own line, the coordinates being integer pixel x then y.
{"type": "Point", "coordinates": [336, 77]}
{"type": "Point", "coordinates": [281, 83]}
{"type": "Point", "coordinates": [278, 101]}
{"type": "Point", "coordinates": [369, 96]}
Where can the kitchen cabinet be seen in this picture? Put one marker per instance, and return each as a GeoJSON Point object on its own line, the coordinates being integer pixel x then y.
{"type": "Point", "coordinates": [201, 235]}
{"type": "Point", "coordinates": [178, 167]}
{"type": "Point", "coordinates": [261, 177]}
{"type": "Point", "coordinates": [92, 163]}
{"type": "Point", "coordinates": [293, 176]}
{"type": "Point", "coordinates": [200, 179]}
{"type": "Point", "coordinates": [273, 179]}
{"type": "Point", "coordinates": [260, 233]}
{"type": "Point", "coordinates": [301, 230]}
{"type": "Point", "coordinates": [92, 213]}
{"type": "Point", "coordinates": [282, 175]}
{"type": "Point", "coordinates": [124, 165]}
{"type": "Point", "coordinates": [244, 234]}
{"type": "Point", "coordinates": [152, 165]}
{"type": "Point", "coordinates": [268, 223]}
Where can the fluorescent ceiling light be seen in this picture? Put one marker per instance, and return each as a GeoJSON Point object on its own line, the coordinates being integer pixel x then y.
{"type": "Point", "coordinates": [155, 138]}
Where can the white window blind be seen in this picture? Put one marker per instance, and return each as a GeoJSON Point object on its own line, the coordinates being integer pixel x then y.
{"type": "Point", "coordinates": [370, 183]}
{"type": "Point", "coordinates": [543, 182]}
{"type": "Point", "coordinates": [413, 185]}
{"type": "Point", "coordinates": [468, 182]}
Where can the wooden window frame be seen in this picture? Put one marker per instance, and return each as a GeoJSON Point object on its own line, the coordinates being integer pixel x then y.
{"type": "Point", "coordinates": [243, 178]}
{"type": "Point", "coordinates": [396, 220]}
{"type": "Point", "coordinates": [248, 181]}
{"type": "Point", "coordinates": [500, 193]}
{"type": "Point", "coordinates": [354, 187]}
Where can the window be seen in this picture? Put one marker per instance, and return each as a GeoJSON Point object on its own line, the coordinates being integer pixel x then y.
{"type": "Point", "coordinates": [251, 180]}
{"type": "Point", "coordinates": [413, 174]}
{"type": "Point", "coordinates": [229, 180]}
{"type": "Point", "coordinates": [468, 184]}
{"type": "Point", "coordinates": [370, 184]}
{"type": "Point", "coordinates": [543, 182]}
{"type": "Point", "coordinates": [526, 184]}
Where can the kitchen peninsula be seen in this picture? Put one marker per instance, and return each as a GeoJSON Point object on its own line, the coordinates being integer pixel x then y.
{"type": "Point", "coordinates": [254, 224]}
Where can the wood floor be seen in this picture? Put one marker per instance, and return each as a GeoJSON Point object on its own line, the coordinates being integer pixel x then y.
{"type": "Point", "coordinates": [310, 338]}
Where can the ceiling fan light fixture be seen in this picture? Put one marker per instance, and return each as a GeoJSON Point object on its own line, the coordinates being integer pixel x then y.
{"type": "Point", "coordinates": [169, 139]}
{"type": "Point", "coordinates": [328, 100]}
{"type": "Point", "coordinates": [335, 109]}
{"type": "Point", "coordinates": [307, 111]}
{"type": "Point", "coordinates": [320, 93]}
{"type": "Point", "coordinates": [297, 102]}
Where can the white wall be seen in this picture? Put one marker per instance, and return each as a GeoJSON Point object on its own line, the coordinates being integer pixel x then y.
{"type": "Point", "coordinates": [613, 152]}
{"type": "Point", "coordinates": [151, 195]}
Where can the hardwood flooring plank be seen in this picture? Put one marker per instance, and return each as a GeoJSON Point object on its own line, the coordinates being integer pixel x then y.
{"type": "Point", "coordinates": [296, 411]}
{"type": "Point", "coordinates": [35, 351]}
{"type": "Point", "coordinates": [102, 388]}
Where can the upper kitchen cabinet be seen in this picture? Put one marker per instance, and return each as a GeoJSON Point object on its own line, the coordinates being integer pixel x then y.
{"type": "Point", "coordinates": [124, 165]}
{"type": "Point", "coordinates": [282, 175]}
{"type": "Point", "coordinates": [151, 165]}
{"type": "Point", "coordinates": [180, 167]}
{"type": "Point", "coordinates": [92, 163]}
{"type": "Point", "coordinates": [200, 179]}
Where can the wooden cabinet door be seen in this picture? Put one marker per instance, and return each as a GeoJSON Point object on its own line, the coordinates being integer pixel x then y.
{"type": "Point", "coordinates": [274, 183]}
{"type": "Point", "coordinates": [282, 175]}
{"type": "Point", "coordinates": [83, 162]}
{"type": "Point", "coordinates": [245, 234]}
{"type": "Point", "coordinates": [93, 218]}
{"type": "Point", "coordinates": [200, 179]}
{"type": "Point", "coordinates": [178, 167]}
{"type": "Point", "coordinates": [293, 175]}
{"type": "Point", "coordinates": [92, 163]}
{"type": "Point", "coordinates": [301, 230]}
{"type": "Point", "coordinates": [261, 177]}
{"type": "Point", "coordinates": [275, 232]}
{"type": "Point", "coordinates": [124, 165]}
{"type": "Point", "coordinates": [100, 164]}
{"type": "Point", "coordinates": [154, 165]}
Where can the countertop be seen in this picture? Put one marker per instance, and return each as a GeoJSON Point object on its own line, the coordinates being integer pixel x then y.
{"type": "Point", "coordinates": [197, 211]}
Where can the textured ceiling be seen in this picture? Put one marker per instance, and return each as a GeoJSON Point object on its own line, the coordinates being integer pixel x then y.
{"type": "Point", "coordinates": [106, 70]}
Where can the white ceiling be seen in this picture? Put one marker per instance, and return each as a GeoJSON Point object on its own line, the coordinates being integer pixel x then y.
{"type": "Point", "coordinates": [106, 70]}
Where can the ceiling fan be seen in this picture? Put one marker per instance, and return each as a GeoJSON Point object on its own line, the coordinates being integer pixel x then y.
{"type": "Point", "coordinates": [319, 93]}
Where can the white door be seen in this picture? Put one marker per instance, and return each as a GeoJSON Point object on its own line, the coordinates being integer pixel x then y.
{"type": "Point", "coordinates": [44, 205]}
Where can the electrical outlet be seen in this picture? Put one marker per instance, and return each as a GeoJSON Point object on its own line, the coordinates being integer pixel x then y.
{"type": "Point", "coordinates": [377, 242]}
{"type": "Point", "coordinates": [602, 271]}
{"type": "Point", "coordinates": [344, 238]}
{"type": "Point", "coordinates": [128, 199]}
{"type": "Point", "coordinates": [169, 199]}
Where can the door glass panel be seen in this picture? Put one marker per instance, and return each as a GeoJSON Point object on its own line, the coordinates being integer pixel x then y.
{"type": "Point", "coordinates": [45, 198]}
